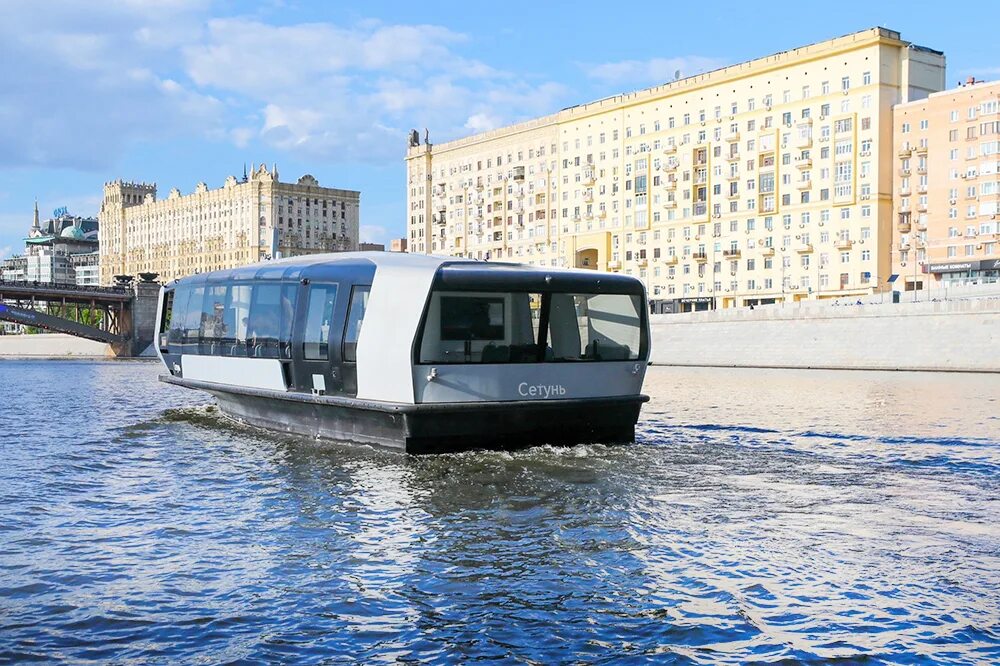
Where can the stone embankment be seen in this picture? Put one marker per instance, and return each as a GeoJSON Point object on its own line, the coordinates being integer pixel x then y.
{"type": "Point", "coordinates": [955, 335]}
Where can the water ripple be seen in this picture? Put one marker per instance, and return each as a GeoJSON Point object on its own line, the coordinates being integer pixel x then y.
{"type": "Point", "coordinates": [762, 516]}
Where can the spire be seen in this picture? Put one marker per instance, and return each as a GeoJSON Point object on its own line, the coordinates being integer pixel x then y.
{"type": "Point", "coordinates": [35, 224]}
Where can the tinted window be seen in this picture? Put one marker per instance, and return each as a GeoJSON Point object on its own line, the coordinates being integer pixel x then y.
{"type": "Point", "coordinates": [481, 327]}
{"type": "Point", "coordinates": [472, 318]}
{"type": "Point", "coordinates": [516, 327]}
{"type": "Point", "coordinates": [269, 325]}
{"type": "Point", "coordinates": [215, 323]}
{"type": "Point", "coordinates": [319, 317]}
{"type": "Point", "coordinates": [595, 327]}
{"type": "Point", "coordinates": [355, 317]}
{"type": "Point", "coordinates": [178, 315]}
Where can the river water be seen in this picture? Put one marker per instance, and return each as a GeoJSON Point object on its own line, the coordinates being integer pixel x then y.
{"type": "Point", "coordinates": [761, 516]}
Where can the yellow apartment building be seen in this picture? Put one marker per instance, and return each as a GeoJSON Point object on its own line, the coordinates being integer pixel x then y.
{"type": "Point", "coordinates": [764, 181]}
{"type": "Point", "coordinates": [947, 187]}
{"type": "Point", "coordinates": [240, 223]}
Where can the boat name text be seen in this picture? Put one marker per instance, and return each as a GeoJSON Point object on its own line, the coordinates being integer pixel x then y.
{"type": "Point", "coordinates": [540, 390]}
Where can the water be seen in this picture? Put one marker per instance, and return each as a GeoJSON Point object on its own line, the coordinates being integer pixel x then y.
{"type": "Point", "coordinates": [762, 516]}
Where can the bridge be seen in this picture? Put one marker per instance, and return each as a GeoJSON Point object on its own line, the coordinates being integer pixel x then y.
{"type": "Point", "coordinates": [122, 316]}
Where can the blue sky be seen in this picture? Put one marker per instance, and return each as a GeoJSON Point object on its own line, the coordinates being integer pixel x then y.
{"type": "Point", "coordinates": [179, 91]}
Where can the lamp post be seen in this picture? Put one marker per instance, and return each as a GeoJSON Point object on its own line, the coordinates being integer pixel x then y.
{"type": "Point", "coordinates": [782, 277]}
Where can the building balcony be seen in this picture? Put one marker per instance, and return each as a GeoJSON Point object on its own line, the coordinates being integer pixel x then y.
{"type": "Point", "coordinates": [922, 170]}
{"type": "Point", "coordinates": [733, 157]}
{"type": "Point", "coordinates": [588, 196]}
{"type": "Point", "coordinates": [733, 136]}
{"type": "Point", "coordinates": [699, 257]}
{"type": "Point", "coordinates": [602, 214]}
{"type": "Point", "coordinates": [905, 173]}
{"type": "Point", "coordinates": [767, 252]}
{"type": "Point", "coordinates": [921, 208]}
{"type": "Point", "coordinates": [921, 226]}
{"type": "Point", "coordinates": [905, 152]}
{"type": "Point", "coordinates": [669, 150]}
{"type": "Point", "coordinates": [904, 191]}
{"type": "Point", "coordinates": [804, 249]}
{"type": "Point", "coordinates": [921, 189]}
{"type": "Point", "coordinates": [804, 163]}
{"type": "Point", "coordinates": [905, 246]}
{"type": "Point", "coordinates": [903, 227]}
{"type": "Point", "coordinates": [614, 265]}
{"type": "Point", "coordinates": [670, 204]}
{"type": "Point", "coordinates": [589, 179]}
{"type": "Point", "coordinates": [731, 254]}
{"type": "Point", "coordinates": [700, 208]}
{"type": "Point", "coordinates": [920, 150]}
{"type": "Point", "coordinates": [803, 184]}
{"type": "Point", "coordinates": [519, 173]}
{"type": "Point", "coordinates": [844, 244]}
{"type": "Point", "coordinates": [670, 259]}
{"type": "Point", "coordinates": [670, 184]}
{"type": "Point", "coordinates": [803, 142]}
{"type": "Point", "coordinates": [641, 263]}
{"type": "Point", "coordinates": [669, 165]}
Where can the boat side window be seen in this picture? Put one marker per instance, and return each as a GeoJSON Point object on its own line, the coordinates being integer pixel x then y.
{"type": "Point", "coordinates": [269, 325]}
{"type": "Point", "coordinates": [319, 317]}
{"type": "Point", "coordinates": [167, 311]}
{"type": "Point", "coordinates": [178, 315]}
{"type": "Point", "coordinates": [595, 327]}
{"type": "Point", "coordinates": [192, 320]}
{"type": "Point", "coordinates": [215, 322]}
{"type": "Point", "coordinates": [355, 318]}
{"type": "Point", "coordinates": [239, 305]}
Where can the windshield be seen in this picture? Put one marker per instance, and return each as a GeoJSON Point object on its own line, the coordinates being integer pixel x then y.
{"type": "Point", "coordinates": [531, 327]}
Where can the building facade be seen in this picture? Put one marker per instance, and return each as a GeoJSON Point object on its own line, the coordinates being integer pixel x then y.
{"type": "Point", "coordinates": [56, 251]}
{"type": "Point", "coordinates": [947, 187]}
{"type": "Point", "coordinates": [765, 181]}
{"type": "Point", "coordinates": [242, 222]}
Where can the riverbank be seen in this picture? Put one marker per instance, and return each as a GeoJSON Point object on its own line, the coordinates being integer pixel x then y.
{"type": "Point", "coordinates": [945, 336]}
{"type": "Point", "coordinates": [52, 345]}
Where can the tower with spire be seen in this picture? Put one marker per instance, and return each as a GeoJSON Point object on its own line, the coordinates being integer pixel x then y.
{"type": "Point", "coordinates": [36, 226]}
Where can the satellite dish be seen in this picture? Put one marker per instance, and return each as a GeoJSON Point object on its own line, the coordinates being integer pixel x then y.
{"type": "Point", "coordinates": [677, 74]}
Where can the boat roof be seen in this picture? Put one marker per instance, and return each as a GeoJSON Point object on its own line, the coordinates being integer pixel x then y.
{"type": "Point", "coordinates": [457, 270]}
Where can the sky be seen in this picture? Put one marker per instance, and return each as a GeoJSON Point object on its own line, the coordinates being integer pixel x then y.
{"type": "Point", "coordinates": [181, 91]}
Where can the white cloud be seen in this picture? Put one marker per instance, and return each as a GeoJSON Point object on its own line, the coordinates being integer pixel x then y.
{"type": "Point", "coordinates": [82, 82]}
{"type": "Point", "coordinates": [653, 71]}
{"type": "Point", "coordinates": [331, 92]}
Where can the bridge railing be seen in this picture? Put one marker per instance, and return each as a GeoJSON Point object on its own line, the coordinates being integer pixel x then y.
{"type": "Point", "coordinates": [49, 286]}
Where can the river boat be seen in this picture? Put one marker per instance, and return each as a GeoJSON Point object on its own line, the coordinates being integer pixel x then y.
{"type": "Point", "coordinates": [413, 352]}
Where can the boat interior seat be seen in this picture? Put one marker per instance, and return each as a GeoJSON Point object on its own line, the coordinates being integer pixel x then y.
{"type": "Point", "coordinates": [495, 353]}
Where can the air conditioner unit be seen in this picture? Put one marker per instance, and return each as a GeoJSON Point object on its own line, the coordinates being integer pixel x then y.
{"type": "Point", "coordinates": [822, 117]}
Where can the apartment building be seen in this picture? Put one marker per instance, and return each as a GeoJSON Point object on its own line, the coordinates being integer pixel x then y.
{"type": "Point", "coordinates": [764, 181]}
{"type": "Point", "coordinates": [242, 222]}
{"type": "Point", "coordinates": [947, 187]}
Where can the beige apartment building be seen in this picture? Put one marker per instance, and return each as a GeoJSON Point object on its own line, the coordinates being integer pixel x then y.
{"type": "Point", "coordinates": [242, 222]}
{"type": "Point", "coordinates": [764, 181]}
{"type": "Point", "coordinates": [947, 187]}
